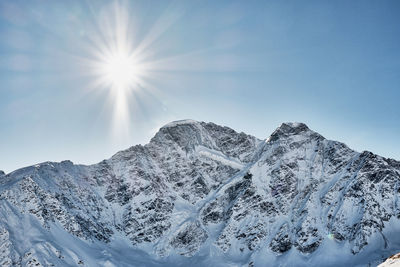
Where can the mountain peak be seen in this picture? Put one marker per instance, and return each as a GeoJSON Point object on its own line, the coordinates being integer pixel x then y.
{"type": "Point", "coordinates": [186, 133]}
{"type": "Point", "coordinates": [288, 129]}
{"type": "Point", "coordinates": [295, 127]}
{"type": "Point", "coordinates": [180, 122]}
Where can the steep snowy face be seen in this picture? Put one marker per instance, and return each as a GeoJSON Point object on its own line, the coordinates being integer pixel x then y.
{"type": "Point", "coordinates": [162, 185]}
{"type": "Point", "coordinates": [200, 192]}
{"type": "Point", "coordinates": [281, 192]}
{"type": "Point", "coordinates": [305, 191]}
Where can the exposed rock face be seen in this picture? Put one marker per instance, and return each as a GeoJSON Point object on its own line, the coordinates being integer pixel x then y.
{"type": "Point", "coordinates": [201, 189]}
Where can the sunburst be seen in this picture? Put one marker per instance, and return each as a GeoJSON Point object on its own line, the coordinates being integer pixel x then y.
{"type": "Point", "coordinates": [116, 64]}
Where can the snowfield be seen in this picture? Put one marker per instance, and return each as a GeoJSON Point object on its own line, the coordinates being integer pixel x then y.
{"type": "Point", "coordinates": [200, 194]}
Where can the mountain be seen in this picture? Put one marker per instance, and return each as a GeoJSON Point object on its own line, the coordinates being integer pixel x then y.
{"type": "Point", "coordinates": [201, 194]}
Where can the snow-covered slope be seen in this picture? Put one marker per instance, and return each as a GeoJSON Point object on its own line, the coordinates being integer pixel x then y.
{"type": "Point", "coordinates": [204, 194]}
{"type": "Point", "coordinates": [392, 261]}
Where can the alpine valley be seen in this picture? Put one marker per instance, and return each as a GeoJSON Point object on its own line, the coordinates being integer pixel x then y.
{"type": "Point", "coordinates": [200, 194]}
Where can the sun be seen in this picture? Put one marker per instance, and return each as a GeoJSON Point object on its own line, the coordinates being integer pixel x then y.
{"type": "Point", "coordinates": [115, 61]}
{"type": "Point", "coordinates": [119, 70]}
{"type": "Point", "coordinates": [121, 64]}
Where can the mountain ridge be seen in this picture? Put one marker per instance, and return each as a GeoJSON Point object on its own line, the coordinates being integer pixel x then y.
{"type": "Point", "coordinates": [182, 122]}
{"type": "Point", "coordinates": [206, 193]}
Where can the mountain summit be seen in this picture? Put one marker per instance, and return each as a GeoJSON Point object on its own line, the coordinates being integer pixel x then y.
{"type": "Point", "coordinates": [203, 194]}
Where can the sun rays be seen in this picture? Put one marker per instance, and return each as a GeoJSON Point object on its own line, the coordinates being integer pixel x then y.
{"type": "Point", "coordinates": [116, 65]}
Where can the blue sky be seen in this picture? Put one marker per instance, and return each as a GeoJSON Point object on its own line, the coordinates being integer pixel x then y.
{"type": "Point", "coordinates": [249, 65]}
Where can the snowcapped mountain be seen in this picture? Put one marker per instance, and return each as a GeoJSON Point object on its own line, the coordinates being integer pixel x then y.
{"type": "Point", "coordinates": [203, 194]}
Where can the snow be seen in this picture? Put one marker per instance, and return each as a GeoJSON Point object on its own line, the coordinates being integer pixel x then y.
{"type": "Point", "coordinates": [219, 156]}
{"type": "Point", "coordinates": [392, 261]}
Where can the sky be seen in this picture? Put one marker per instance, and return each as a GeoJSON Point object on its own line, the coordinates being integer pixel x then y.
{"type": "Point", "coordinates": [249, 65]}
